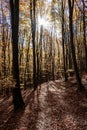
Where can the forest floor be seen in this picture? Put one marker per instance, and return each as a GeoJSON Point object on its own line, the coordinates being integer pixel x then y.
{"type": "Point", "coordinates": [55, 105]}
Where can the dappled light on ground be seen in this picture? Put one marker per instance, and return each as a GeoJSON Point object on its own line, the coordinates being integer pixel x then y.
{"type": "Point", "coordinates": [55, 105]}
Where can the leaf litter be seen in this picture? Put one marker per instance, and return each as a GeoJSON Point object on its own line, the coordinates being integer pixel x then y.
{"type": "Point", "coordinates": [55, 105]}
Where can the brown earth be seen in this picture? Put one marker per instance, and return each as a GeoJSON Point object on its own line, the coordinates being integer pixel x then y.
{"type": "Point", "coordinates": [55, 105]}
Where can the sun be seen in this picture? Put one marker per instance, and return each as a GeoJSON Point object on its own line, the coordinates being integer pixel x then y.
{"type": "Point", "coordinates": [42, 22]}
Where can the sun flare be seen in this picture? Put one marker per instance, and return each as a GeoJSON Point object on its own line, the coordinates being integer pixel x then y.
{"type": "Point", "coordinates": [42, 22]}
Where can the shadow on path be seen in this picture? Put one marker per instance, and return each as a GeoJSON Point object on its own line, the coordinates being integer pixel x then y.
{"type": "Point", "coordinates": [53, 106]}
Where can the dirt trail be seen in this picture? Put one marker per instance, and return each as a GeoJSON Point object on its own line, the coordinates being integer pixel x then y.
{"type": "Point", "coordinates": [53, 106]}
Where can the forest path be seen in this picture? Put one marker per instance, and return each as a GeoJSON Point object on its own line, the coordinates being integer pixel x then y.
{"type": "Point", "coordinates": [53, 106]}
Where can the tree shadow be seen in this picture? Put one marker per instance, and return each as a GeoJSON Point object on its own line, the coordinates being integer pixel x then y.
{"type": "Point", "coordinates": [68, 108]}
{"type": "Point", "coordinates": [12, 121]}
{"type": "Point", "coordinates": [51, 106]}
{"type": "Point", "coordinates": [27, 117]}
{"type": "Point", "coordinates": [35, 109]}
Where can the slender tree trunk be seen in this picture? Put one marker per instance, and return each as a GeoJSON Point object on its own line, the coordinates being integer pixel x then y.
{"type": "Point", "coordinates": [53, 64]}
{"type": "Point", "coordinates": [84, 33]}
{"type": "Point", "coordinates": [71, 5]}
{"type": "Point", "coordinates": [40, 45]}
{"type": "Point", "coordinates": [26, 64]}
{"type": "Point", "coordinates": [63, 37]}
{"type": "Point", "coordinates": [9, 56]}
{"type": "Point", "coordinates": [4, 43]}
{"type": "Point", "coordinates": [37, 54]}
{"type": "Point", "coordinates": [33, 29]}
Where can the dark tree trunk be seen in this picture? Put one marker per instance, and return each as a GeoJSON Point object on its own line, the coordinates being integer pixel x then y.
{"type": "Point", "coordinates": [71, 5]}
{"type": "Point", "coordinates": [9, 63]}
{"type": "Point", "coordinates": [84, 33]}
{"type": "Point", "coordinates": [40, 61]}
{"type": "Point", "coordinates": [17, 97]}
{"type": "Point", "coordinates": [33, 29]}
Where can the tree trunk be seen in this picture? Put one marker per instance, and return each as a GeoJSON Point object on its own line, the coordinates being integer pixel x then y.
{"type": "Point", "coordinates": [84, 33]}
{"type": "Point", "coordinates": [17, 97]}
{"type": "Point", "coordinates": [63, 47]}
{"type": "Point", "coordinates": [71, 4]}
{"type": "Point", "coordinates": [40, 45]}
{"type": "Point", "coordinates": [4, 43]}
{"type": "Point", "coordinates": [33, 29]}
